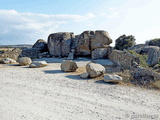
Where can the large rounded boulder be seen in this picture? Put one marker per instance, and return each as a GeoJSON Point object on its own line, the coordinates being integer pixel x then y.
{"type": "Point", "coordinates": [95, 70]}
{"type": "Point", "coordinates": [69, 66]}
{"type": "Point", "coordinates": [91, 40]}
{"type": "Point", "coordinates": [23, 61]}
{"type": "Point", "coordinates": [59, 44]}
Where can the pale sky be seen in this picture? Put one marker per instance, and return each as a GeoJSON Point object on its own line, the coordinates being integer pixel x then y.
{"type": "Point", "coordinates": [25, 21]}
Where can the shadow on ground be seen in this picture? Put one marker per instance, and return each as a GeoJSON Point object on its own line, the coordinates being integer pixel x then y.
{"type": "Point", "coordinates": [12, 64]}
{"type": "Point", "coordinates": [53, 71]}
{"type": "Point", "coordinates": [102, 82]}
{"type": "Point", "coordinates": [75, 77]}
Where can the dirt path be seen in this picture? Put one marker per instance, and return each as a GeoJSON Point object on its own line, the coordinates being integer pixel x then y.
{"type": "Point", "coordinates": [50, 94]}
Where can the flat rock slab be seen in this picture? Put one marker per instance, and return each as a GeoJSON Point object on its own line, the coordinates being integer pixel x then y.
{"type": "Point", "coordinates": [105, 62]}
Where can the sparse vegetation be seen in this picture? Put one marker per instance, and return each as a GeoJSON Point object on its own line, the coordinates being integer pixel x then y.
{"type": "Point", "coordinates": [124, 42]}
{"type": "Point", "coordinates": [5, 49]}
{"type": "Point", "coordinates": [142, 58]}
{"type": "Point", "coordinates": [155, 85]}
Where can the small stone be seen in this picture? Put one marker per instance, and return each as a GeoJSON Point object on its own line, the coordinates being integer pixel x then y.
{"type": "Point", "coordinates": [37, 64]}
{"type": "Point", "coordinates": [112, 78]}
{"type": "Point", "coordinates": [84, 75]}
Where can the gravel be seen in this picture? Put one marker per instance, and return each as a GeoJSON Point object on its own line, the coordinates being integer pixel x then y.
{"type": "Point", "coordinates": [49, 94]}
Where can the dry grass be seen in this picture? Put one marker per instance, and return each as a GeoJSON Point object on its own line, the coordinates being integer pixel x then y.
{"type": "Point", "coordinates": [81, 70]}
{"type": "Point", "coordinates": [6, 49]}
{"type": "Point", "coordinates": [154, 85]}
{"type": "Point", "coordinates": [126, 75]}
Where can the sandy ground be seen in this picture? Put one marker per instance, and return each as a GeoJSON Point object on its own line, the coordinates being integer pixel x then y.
{"type": "Point", "coordinates": [49, 94]}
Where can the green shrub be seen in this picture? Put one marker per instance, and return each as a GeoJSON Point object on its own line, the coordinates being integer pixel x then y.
{"type": "Point", "coordinates": [124, 42]}
{"type": "Point", "coordinates": [142, 58]}
{"type": "Point", "coordinates": [154, 42]}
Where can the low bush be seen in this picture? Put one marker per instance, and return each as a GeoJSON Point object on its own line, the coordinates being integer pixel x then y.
{"type": "Point", "coordinates": [124, 42]}
{"type": "Point", "coordinates": [142, 58]}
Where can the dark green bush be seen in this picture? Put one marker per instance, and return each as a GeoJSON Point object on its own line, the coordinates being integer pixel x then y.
{"type": "Point", "coordinates": [142, 58]}
{"type": "Point", "coordinates": [154, 42]}
{"type": "Point", "coordinates": [124, 42]}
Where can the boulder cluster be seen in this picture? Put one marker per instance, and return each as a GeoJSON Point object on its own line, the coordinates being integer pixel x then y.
{"type": "Point", "coordinates": [93, 44]}
{"type": "Point", "coordinates": [94, 70]}
{"type": "Point", "coordinates": [89, 43]}
{"type": "Point", "coordinates": [24, 61]}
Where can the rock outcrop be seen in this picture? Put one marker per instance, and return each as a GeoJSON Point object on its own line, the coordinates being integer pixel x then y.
{"type": "Point", "coordinates": [36, 51]}
{"type": "Point", "coordinates": [37, 64]}
{"type": "Point", "coordinates": [101, 53]}
{"type": "Point", "coordinates": [30, 52]}
{"type": "Point", "coordinates": [69, 66]}
{"type": "Point", "coordinates": [83, 46]}
{"type": "Point", "coordinates": [23, 61]}
{"type": "Point", "coordinates": [100, 39]}
{"type": "Point", "coordinates": [137, 48]}
{"type": "Point", "coordinates": [153, 53]}
{"type": "Point", "coordinates": [91, 40]}
{"type": "Point", "coordinates": [123, 58]}
{"type": "Point", "coordinates": [65, 44]}
{"type": "Point", "coordinates": [14, 54]}
{"type": "Point", "coordinates": [95, 70]}
{"type": "Point", "coordinates": [143, 76]}
{"type": "Point", "coordinates": [41, 45]}
{"type": "Point", "coordinates": [59, 44]}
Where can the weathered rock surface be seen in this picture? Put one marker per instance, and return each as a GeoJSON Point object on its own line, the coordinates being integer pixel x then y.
{"type": "Point", "coordinates": [95, 70]}
{"type": "Point", "coordinates": [84, 75]}
{"type": "Point", "coordinates": [36, 51]}
{"type": "Point", "coordinates": [37, 64]}
{"type": "Point", "coordinates": [143, 76]}
{"type": "Point", "coordinates": [44, 55]}
{"type": "Point", "coordinates": [7, 61]}
{"type": "Point", "coordinates": [101, 53]}
{"type": "Point", "coordinates": [59, 44]}
{"type": "Point", "coordinates": [137, 48]}
{"type": "Point", "coordinates": [123, 58]}
{"type": "Point", "coordinates": [65, 44]}
{"type": "Point", "coordinates": [14, 54]}
{"type": "Point", "coordinates": [84, 43]}
{"type": "Point", "coordinates": [41, 45]}
{"type": "Point", "coordinates": [71, 55]}
{"type": "Point", "coordinates": [23, 61]}
{"type": "Point", "coordinates": [112, 78]}
{"type": "Point", "coordinates": [90, 40]}
{"type": "Point", "coordinates": [153, 53]}
{"type": "Point", "coordinates": [69, 66]}
{"type": "Point", "coordinates": [100, 39]}
{"type": "Point", "coordinates": [105, 62]}
{"type": "Point", "coordinates": [30, 52]}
